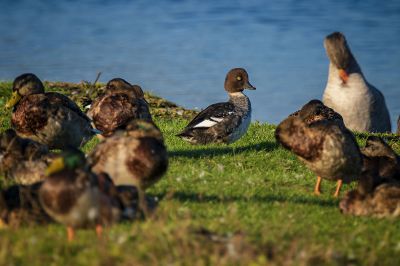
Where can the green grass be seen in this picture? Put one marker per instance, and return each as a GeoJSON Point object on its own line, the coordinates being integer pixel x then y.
{"type": "Point", "coordinates": [249, 203]}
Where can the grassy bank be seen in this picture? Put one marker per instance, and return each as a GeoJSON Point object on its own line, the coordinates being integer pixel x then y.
{"type": "Point", "coordinates": [250, 202]}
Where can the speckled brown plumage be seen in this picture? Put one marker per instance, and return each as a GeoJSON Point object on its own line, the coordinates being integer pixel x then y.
{"type": "Point", "coordinates": [382, 157]}
{"type": "Point", "coordinates": [378, 190]}
{"type": "Point", "coordinates": [133, 156]}
{"type": "Point", "coordinates": [22, 160]}
{"type": "Point", "coordinates": [315, 111]}
{"type": "Point", "coordinates": [384, 201]}
{"type": "Point", "coordinates": [327, 148]}
{"type": "Point", "coordinates": [48, 118]}
{"type": "Point", "coordinates": [19, 205]}
{"type": "Point", "coordinates": [79, 198]}
{"type": "Point", "coordinates": [120, 103]}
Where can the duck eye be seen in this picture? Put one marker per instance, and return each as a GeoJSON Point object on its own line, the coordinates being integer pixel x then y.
{"type": "Point", "coordinates": [239, 78]}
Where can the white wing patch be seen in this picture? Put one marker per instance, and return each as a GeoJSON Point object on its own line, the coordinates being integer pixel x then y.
{"type": "Point", "coordinates": [212, 121]}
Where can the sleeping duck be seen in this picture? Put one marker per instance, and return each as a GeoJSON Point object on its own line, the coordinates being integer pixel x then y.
{"type": "Point", "coordinates": [134, 156]}
{"type": "Point", "coordinates": [379, 154]}
{"type": "Point", "coordinates": [315, 110]}
{"type": "Point", "coordinates": [20, 205]}
{"type": "Point", "coordinates": [120, 103]}
{"type": "Point", "coordinates": [326, 147]}
{"type": "Point", "coordinates": [48, 118]}
{"type": "Point", "coordinates": [223, 122]}
{"type": "Point", "coordinates": [362, 106]}
{"type": "Point", "coordinates": [73, 195]}
{"type": "Point", "coordinates": [378, 190]}
{"type": "Point", "coordinates": [383, 201]}
{"type": "Point", "coordinates": [22, 160]}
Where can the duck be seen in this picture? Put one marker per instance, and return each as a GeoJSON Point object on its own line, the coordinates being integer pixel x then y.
{"type": "Point", "coordinates": [224, 122]}
{"type": "Point", "coordinates": [75, 196]}
{"type": "Point", "coordinates": [361, 105]}
{"type": "Point", "coordinates": [20, 205]}
{"type": "Point", "coordinates": [383, 201]}
{"type": "Point", "coordinates": [379, 155]}
{"type": "Point", "coordinates": [326, 148]}
{"type": "Point", "coordinates": [23, 161]}
{"type": "Point", "coordinates": [378, 191]}
{"type": "Point", "coordinates": [134, 155]}
{"type": "Point", "coordinates": [315, 110]}
{"type": "Point", "coordinates": [120, 103]}
{"type": "Point", "coordinates": [49, 118]}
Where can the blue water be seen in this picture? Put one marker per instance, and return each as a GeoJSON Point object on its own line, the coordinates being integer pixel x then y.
{"type": "Point", "coordinates": [182, 50]}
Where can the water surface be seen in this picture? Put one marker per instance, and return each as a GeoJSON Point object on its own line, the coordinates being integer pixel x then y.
{"type": "Point", "coordinates": [182, 50]}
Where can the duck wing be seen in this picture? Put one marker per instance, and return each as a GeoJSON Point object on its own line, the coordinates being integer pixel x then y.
{"type": "Point", "coordinates": [60, 99]}
{"type": "Point", "coordinates": [212, 115]}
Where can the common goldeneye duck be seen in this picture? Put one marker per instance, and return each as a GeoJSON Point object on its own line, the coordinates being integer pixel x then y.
{"type": "Point", "coordinates": [223, 122]}
{"type": "Point", "coordinates": [120, 103]}
{"type": "Point", "coordinates": [49, 118]}
{"type": "Point", "coordinates": [361, 105]}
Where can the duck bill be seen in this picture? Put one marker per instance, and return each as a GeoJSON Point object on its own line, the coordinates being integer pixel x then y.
{"type": "Point", "coordinates": [248, 86]}
{"type": "Point", "coordinates": [344, 76]}
{"type": "Point", "coordinates": [56, 166]}
{"type": "Point", "coordinates": [15, 97]}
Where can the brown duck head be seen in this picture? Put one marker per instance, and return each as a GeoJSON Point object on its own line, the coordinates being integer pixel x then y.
{"type": "Point", "coordinates": [119, 84]}
{"type": "Point", "coordinates": [237, 80]}
{"type": "Point", "coordinates": [24, 85]}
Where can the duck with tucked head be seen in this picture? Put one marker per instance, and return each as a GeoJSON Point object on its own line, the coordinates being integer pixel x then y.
{"type": "Point", "coordinates": [223, 122]}
{"type": "Point", "coordinates": [362, 106]}
{"type": "Point", "coordinates": [326, 147]}
{"type": "Point", "coordinates": [22, 160]}
{"type": "Point", "coordinates": [135, 155]}
{"type": "Point", "coordinates": [315, 110]}
{"type": "Point", "coordinates": [49, 118]}
{"type": "Point", "coordinates": [379, 154]}
{"type": "Point", "coordinates": [76, 197]}
{"type": "Point", "coordinates": [120, 103]}
{"type": "Point", "coordinates": [378, 190]}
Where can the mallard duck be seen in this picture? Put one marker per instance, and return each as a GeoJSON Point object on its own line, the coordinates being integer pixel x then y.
{"type": "Point", "coordinates": [378, 190]}
{"type": "Point", "coordinates": [73, 195]}
{"type": "Point", "coordinates": [48, 118]}
{"type": "Point", "coordinates": [120, 103]}
{"type": "Point", "coordinates": [20, 205]}
{"type": "Point", "coordinates": [381, 156]}
{"type": "Point", "coordinates": [23, 160]}
{"type": "Point", "coordinates": [382, 201]}
{"type": "Point", "coordinates": [134, 156]}
{"type": "Point", "coordinates": [315, 110]}
{"type": "Point", "coordinates": [362, 106]}
{"type": "Point", "coordinates": [223, 122]}
{"type": "Point", "coordinates": [327, 148]}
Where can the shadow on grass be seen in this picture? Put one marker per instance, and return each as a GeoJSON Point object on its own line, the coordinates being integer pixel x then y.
{"type": "Point", "coordinates": [198, 198]}
{"type": "Point", "coordinates": [215, 151]}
